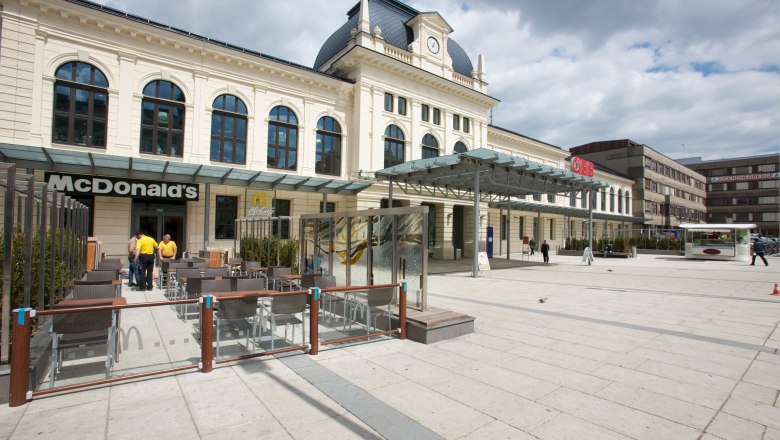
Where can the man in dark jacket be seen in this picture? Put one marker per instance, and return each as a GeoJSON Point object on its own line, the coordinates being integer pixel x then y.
{"type": "Point", "coordinates": [545, 251]}
{"type": "Point", "coordinates": [758, 250]}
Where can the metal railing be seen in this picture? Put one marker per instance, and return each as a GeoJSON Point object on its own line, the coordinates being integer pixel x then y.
{"type": "Point", "coordinates": [20, 387]}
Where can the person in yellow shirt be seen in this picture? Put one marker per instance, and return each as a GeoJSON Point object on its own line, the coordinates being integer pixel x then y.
{"type": "Point", "coordinates": [166, 251]}
{"type": "Point", "coordinates": [144, 254]}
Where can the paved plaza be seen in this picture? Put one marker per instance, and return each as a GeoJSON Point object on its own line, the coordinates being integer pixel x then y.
{"type": "Point", "coordinates": [656, 347]}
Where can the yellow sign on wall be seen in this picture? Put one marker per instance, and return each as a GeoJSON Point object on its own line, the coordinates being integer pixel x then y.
{"type": "Point", "coordinates": [262, 207]}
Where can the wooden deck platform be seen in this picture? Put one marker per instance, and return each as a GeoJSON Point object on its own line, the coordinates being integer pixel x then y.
{"type": "Point", "coordinates": [437, 324]}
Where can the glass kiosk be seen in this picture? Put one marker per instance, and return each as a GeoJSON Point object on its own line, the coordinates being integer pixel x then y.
{"type": "Point", "coordinates": [717, 241]}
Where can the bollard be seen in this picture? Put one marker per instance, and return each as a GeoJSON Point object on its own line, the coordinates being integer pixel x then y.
{"type": "Point", "coordinates": [314, 320]}
{"type": "Point", "coordinates": [20, 358]}
{"type": "Point", "coordinates": [206, 333]}
{"type": "Point", "coordinates": [402, 310]}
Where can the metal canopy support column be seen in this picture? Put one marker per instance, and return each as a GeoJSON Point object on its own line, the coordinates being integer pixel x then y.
{"type": "Point", "coordinates": [475, 251]}
{"type": "Point", "coordinates": [42, 247]}
{"type": "Point", "coordinates": [590, 223]}
{"type": "Point", "coordinates": [206, 217]}
{"type": "Point", "coordinates": [324, 207]}
{"type": "Point", "coordinates": [390, 194]}
{"type": "Point", "coordinates": [500, 229]}
{"type": "Point", "coordinates": [508, 228]}
{"type": "Point", "coordinates": [55, 196]}
{"type": "Point", "coordinates": [8, 234]}
{"type": "Point", "coordinates": [538, 230]}
{"type": "Point", "coordinates": [28, 233]}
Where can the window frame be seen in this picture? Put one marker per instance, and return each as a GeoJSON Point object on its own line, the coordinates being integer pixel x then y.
{"type": "Point", "coordinates": [389, 98]}
{"type": "Point", "coordinates": [278, 149]}
{"type": "Point", "coordinates": [285, 223]}
{"type": "Point", "coordinates": [72, 117]}
{"type": "Point", "coordinates": [466, 125]}
{"type": "Point", "coordinates": [222, 216]}
{"type": "Point", "coordinates": [235, 115]}
{"type": "Point", "coordinates": [334, 157]}
{"type": "Point", "coordinates": [155, 127]}
{"type": "Point", "coordinates": [398, 143]}
{"type": "Point", "coordinates": [425, 113]}
{"type": "Point", "coordinates": [456, 122]}
{"type": "Point", "coordinates": [429, 151]}
{"type": "Point", "coordinates": [401, 106]}
{"type": "Point", "coordinates": [436, 116]}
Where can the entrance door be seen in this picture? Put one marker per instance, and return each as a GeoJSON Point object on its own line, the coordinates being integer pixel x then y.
{"type": "Point", "coordinates": [157, 219]}
{"type": "Point", "coordinates": [458, 230]}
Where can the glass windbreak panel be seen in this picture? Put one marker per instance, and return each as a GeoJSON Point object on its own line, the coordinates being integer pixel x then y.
{"type": "Point", "coordinates": [115, 343]}
{"type": "Point", "coordinates": [410, 255]}
{"type": "Point", "coordinates": [323, 247]}
{"type": "Point", "coordinates": [382, 249]}
{"type": "Point", "coordinates": [340, 253]}
{"type": "Point", "coordinates": [359, 251]}
{"type": "Point", "coordinates": [311, 264]}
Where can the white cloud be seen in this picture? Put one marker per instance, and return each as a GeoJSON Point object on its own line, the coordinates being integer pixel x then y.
{"type": "Point", "coordinates": [704, 73]}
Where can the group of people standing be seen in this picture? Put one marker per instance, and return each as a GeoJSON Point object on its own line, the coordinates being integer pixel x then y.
{"type": "Point", "coordinates": [545, 249]}
{"type": "Point", "coordinates": [141, 252]}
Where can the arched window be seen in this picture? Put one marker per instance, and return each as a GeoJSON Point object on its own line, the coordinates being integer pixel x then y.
{"type": "Point", "coordinates": [430, 146]}
{"type": "Point", "coordinates": [620, 201]}
{"type": "Point", "coordinates": [162, 119]}
{"type": "Point", "coordinates": [282, 139]}
{"type": "Point", "coordinates": [611, 200]}
{"type": "Point", "coordinates": [228, 130]}
{"type": "Point", "coordinates": [328, 159]}
{"type": "Point", "coordinates": [460, 148]}
{"type": "Point", "coordinates": [394, 146]}
{"type": "Point", "coordinates": [628, 201]}
{"type": "Point", "coordinates": [80, 105]}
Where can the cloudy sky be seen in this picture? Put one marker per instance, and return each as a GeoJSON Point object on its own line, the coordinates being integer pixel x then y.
{"type": "Point", "coordinates": [688, 78]}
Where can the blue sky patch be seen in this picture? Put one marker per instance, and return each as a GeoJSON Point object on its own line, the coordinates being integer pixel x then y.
{"type": "Point", "coordinates": [708, 68]}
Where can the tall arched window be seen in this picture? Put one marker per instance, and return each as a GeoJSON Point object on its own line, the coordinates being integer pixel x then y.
{"type": "Point", "coordinates": [282, 139]}
{"type": "Point", "coordinates": [328, 159]}
{"type": "Point", "coordinates": [620, 201]}
{"type": "Point", "coordinates": [394, 146]}
{"type": "Point", "coordinates": [80, 105]}
{"type": "Point", "coordinates": [162, 119]}
{"type": "Point", "coordinates": [611, 200]}
{"type": "Point", "coordinates": [628, 201]}
{"type": "Point", "coordinates": [228, 130]}
{"type": "Point", "coordinates": [460, 148]}
{"type": "Point", "coordinates": [430, 146]}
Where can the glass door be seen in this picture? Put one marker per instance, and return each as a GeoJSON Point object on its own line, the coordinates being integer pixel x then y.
{"type": "Point", "coordinates": [157, 219]}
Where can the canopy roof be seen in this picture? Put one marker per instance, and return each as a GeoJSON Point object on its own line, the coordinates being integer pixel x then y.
{"type": "Point", "coordinates": [499, 174]}
{"type": "Point", "coordinates": [717, 226]}
{"type": "Point", "coordinates": [564, 210]}
{"type": "Point", "coordinates": [81, 162]}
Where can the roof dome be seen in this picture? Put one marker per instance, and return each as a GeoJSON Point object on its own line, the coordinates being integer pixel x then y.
{"type": "Point", "coordinates": [391, 16]}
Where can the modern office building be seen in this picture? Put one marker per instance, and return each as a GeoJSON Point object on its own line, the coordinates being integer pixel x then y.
{"type": "Point", "coordinates": [665, 192]}
{"type": "Point", "coordinates": [161, 129]}
{"type": "Point", "coordinates": [742, 190]}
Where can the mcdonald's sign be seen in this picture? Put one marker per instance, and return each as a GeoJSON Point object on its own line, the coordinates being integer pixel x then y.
{"type": "Point", "coordinates": [262, 207]}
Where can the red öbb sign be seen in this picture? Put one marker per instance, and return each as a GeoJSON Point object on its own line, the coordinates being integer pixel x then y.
{"type": "Point", "coordinates": [582, 166]}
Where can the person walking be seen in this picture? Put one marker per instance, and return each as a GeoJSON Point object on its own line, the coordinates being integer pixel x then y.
{"type": "Point", "coordinates": [545, 251]}
{"type": "Point", "coordinates": [532, 245]}
{"type": "Point", "coordinates": [133, 276]}
{"type": "Point", "coordinates": [144, 254]}
{"type": "Point", "coordinates": [759, 250]}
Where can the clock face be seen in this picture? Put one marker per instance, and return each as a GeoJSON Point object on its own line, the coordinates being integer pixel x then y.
{"type": "Point", "coordinates": [433, 45]}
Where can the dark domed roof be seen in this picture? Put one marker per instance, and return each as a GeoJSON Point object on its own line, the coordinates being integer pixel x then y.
{"type": "Point", "coordinates": [391, 16]}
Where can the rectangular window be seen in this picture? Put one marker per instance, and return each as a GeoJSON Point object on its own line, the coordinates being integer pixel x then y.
{"type": "Point", "coordinates": [765, 184]}
{"type": "Point", "coordinates": [741, 170]}
{"type": "Point", "coordinates": [503, 228]}
{"type": "Point", "coordinates": [767, 168]}
{"type": "Point", "coordinates": [648, 162]}
{"type": "Point", "coordinates": [537, 197]}
{"type": "Point", "coordinates": [282, 209]}
{"type": "Point", "coordinates": [717, 187]}
{"type": "Point", "coordinates": [552, 229]}
{"type": "Point", "coordinates": [648, 184]}
{"type": "Point", "coordinates": [437, 116]}
{"type": "Point", "coordinates": [770, 216]}
{"type": "Point", "coordinates": [388, 102]}
{"type": "Point", "coordinates": [771, 200]}
{"type": "Point", "coordinates": [648, 206]}
{"type": "Point", "coordinates": [741, 201]}
{"type": "Point", "coordinates": [466, 125]}
{"type": "Point", "coordinates": [401, 106]}
{"type": "Point", "coordinates": [425, 113]}
{"type": "Point", "coordinates": [329, 207]}
{"type": "Point", "coordinates": [573, 199]}
{"type": "Point", "coordinates": [522, 226]}
{"type": "Point", "coordinates": [551, 198]}
{"type": "Point", "coordinates": [718, 172]}
{"type": "Point", "coordinates": [455, 122]}
{"type": "Point", "coordinates": [742, 185]}
{"type": "Point", "coordinates": [744, 216]}
{"type": "Point", "coordinates": [225, 217]}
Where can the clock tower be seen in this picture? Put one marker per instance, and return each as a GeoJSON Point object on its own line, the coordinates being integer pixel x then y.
{"type": "Point", "coordinates": [429, 45]}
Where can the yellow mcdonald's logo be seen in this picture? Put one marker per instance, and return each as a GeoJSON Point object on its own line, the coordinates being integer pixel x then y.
{"type": "Point", "coordinates": [261, 199]}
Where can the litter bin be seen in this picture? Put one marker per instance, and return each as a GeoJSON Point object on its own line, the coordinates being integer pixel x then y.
{"type": "Point", "coordinates": [457, 254]}
{"type": "Point", "coordinates": [633, 251]}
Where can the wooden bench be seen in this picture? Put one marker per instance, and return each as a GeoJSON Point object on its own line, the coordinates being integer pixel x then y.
{"type": "Point", "coordinates": [613, 255]}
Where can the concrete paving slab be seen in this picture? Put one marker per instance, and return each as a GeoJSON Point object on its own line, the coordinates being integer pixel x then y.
{"type": "Point", "coordinates": [567, 427]}
{"type": "Point", "coordinates": [87, 420]}
{"type": "Point", "coordinates": [169, 418]}
{"type": "Point", "coordinates": [728, 427]}
{"type": "Point", "coordinates": [498, 430]}
{"type": "Point", "coordinates": [754, 411]}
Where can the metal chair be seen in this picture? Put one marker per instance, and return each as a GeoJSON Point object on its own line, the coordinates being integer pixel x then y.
{"type": "Point", "coordinates": [283, 310]}
{"type": "Point", "coordinates": [247, 267]}
{"type": "Point", "coordinates": [233, 314]}
{"type": "Point", "coordinates": [100, 275]}
{"type": "Point", "coordinates": [217, 271]}
{"type": "Point", "coordinates": [109, 265]}
{"type": "Point", "coordinates": [172, 282]}
{"type": "Point", "coordinates": [214, 285]}
{"type": "Point", "coordinates": [274, 275]}
{"type": "Point", "coordinates": [95, 291]}
{"type": "Point", "coordinates": [235, 264]}
{"type": "Point", "coordinates": [324, 282]}
{"type": "Point", "coordinates": [374, 301]}
{"type": "Point", "coordinates": [83, 329]}
{"type": "Point", "coordinates": [248, 284]}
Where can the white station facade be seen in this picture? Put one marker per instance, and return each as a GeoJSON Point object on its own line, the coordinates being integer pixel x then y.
{"type": "Point", "coordinates": [171, 132]}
